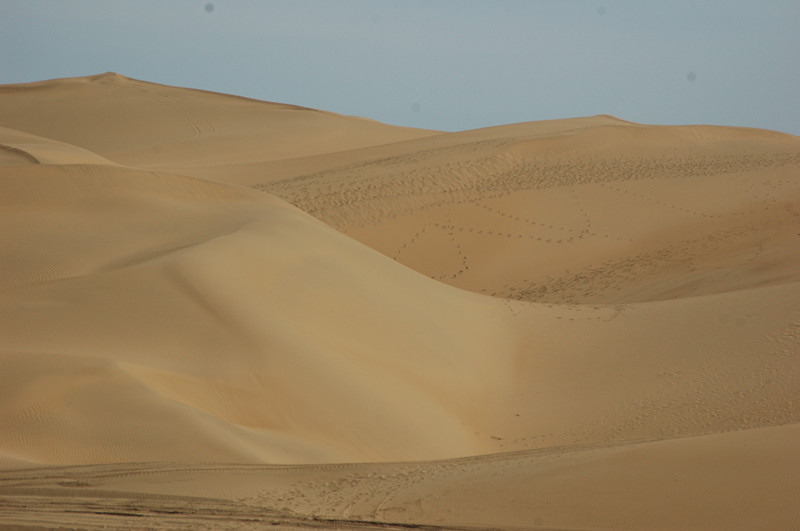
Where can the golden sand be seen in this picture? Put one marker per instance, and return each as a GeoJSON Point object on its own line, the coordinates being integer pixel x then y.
{"type": "Point", "coordinates": [217, 311]}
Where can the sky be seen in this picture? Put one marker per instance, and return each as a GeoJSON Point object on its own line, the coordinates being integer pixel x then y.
{"type": "Point", "coordinates": [448, 65]}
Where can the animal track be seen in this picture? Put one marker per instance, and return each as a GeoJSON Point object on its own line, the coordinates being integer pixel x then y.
{"type": "Point", "coordinates": [444, 183]}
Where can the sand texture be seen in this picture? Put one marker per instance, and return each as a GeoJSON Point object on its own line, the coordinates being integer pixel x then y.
{"type": "Point", "coordinates": [221, 312]}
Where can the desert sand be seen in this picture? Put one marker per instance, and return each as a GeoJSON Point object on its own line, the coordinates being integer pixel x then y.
{"type": "Point", "coordinates": [222, 312]}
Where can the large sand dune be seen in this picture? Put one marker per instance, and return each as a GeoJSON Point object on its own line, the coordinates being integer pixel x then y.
{"type": "Point", "coordinates": [581, 323]}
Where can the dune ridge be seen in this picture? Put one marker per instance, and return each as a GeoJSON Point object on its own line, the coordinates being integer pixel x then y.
{"type": "Point", "coordinates": [498, 324]}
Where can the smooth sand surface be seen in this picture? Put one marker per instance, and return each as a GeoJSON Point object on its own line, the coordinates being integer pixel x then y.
{"type": "Point", "coordinates": [210, 305]}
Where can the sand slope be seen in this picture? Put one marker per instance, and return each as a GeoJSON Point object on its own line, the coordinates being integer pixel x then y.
{"type": "Point", "coordinates": [600, 211]}
{"type": "Point", "coordinates": [180, 272]}
{"type": "Point", "coordinates": [671, 484]}
{"type": "Point", "coordinates": [615, 304]}
{"type": "Point", "coordinates": [140, 123]}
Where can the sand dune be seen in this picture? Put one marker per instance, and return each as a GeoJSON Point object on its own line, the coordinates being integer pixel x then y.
{"type": "Point", "coordinates": [292, 303]}
{"type": "Point", "coordinates": [145, 124]}
{"type": "Point", "coordinates": [17, 147]}
{"type": "Point", "coordinates": [536, 217]}
{"type": "Point", "coordinates": [594, 323]}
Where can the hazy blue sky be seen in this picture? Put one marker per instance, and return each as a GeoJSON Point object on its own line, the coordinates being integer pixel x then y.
{"type": "Point", "coordinates": [440, 64]}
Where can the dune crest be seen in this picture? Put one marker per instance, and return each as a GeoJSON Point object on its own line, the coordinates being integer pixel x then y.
{"type": "Point", "coordinates": [117, 117]}
{"type": "Point", "coordinates": [497, 324]}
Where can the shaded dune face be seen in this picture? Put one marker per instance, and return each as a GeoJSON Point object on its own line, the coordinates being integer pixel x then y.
{"type": "Point", "coordinates": [193, 277]}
